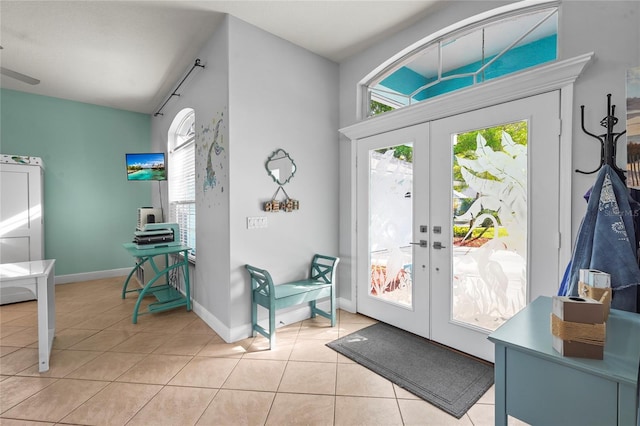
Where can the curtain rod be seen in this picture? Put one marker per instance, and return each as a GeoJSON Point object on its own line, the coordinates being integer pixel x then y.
{"type": "Point", "coordinates": [195, 65]}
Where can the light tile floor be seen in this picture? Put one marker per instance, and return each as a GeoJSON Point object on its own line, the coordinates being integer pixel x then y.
{"type": "Point", "coordinates": [172, 369]}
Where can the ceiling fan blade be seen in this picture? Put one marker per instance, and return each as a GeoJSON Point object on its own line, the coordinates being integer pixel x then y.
{"type": "Point", "coordinates": [19, 76]}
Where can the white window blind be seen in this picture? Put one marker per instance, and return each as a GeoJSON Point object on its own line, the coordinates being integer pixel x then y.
{"type": "Point", "coordinates": [182, 183]}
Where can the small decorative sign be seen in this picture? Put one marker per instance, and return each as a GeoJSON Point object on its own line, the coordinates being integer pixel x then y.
{"type": "Point", "coordinates": [287, 205]}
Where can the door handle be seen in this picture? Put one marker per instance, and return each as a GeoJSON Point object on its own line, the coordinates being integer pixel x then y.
{"type": "Point", "coordinates": [438, 245]}
{"type": "Point", "coordinates": [421, 243]}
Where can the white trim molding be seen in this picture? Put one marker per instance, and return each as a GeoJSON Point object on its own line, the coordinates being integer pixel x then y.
{"type": "Point", "coordinates": [95, 275]}
{"type": "Point", "coordinates": [530, 82]}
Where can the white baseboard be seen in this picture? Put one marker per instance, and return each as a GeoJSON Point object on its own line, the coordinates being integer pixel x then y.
{"type": "Point", "coordinates": [244, 331]}
{"type": "Point", "coordinates": [212, 321]}
{"type": "Point", "coordinates": [88, 276]}
{"type": "Point", "coordinates": [346, 305]}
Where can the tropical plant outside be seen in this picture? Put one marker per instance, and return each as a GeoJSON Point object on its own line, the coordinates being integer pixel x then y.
{"type": "Point", "coordinates": [490, 176]}
{"type": "Point", "coordinates": [378, 108]}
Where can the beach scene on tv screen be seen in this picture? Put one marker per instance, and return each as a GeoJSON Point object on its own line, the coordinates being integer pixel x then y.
{"type": "Point", "coordinates": [146, 167]}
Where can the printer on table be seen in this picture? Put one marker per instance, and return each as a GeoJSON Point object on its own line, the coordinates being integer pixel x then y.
{"type": "Point", "coordinates": [154, 235]}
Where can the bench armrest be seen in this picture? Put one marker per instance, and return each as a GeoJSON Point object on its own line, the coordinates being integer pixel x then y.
{"type": "Point", "coordinates": [260, 280]}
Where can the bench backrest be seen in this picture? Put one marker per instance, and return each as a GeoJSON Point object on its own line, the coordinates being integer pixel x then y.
{"type": "Point", "coordinates": [323, 268]}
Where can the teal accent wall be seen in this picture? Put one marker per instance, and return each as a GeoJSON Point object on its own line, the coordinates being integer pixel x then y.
{"type": "Point", "coordinates": [90, 208]}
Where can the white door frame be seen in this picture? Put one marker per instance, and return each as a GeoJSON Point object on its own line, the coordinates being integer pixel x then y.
{"type": "Point", "coordinates": [559, 75]}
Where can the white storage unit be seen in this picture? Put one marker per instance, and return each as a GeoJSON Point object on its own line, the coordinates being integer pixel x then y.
{"type": "Point", "coordinates": [21, 216]}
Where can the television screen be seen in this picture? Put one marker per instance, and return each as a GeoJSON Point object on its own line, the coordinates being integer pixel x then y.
{"type": "Point", "coordinates": [150, 166]}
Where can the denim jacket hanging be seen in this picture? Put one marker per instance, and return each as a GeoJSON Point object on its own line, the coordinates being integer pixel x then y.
{"type": "Point", "coordinates": [606, 241]}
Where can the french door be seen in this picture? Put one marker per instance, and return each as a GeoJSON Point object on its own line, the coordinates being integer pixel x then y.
{"type": "Point", "coordinates": [393, 270]}
{"type": "Point", "coordinates": [458, 221]}
{"type": "Point", "coordinates": [497, 203]}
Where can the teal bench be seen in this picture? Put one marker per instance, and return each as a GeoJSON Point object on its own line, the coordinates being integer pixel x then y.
{"type": "Point", "coordinates": [320, 284]}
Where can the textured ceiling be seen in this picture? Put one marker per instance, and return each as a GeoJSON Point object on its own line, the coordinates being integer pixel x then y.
{"type": "Point", "coordinates": [130, 54]}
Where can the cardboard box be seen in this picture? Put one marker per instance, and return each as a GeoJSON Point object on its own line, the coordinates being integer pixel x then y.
{"type": "Point", "coordinates": [595, 278]}
{"type": "Point", "coordinates": [602, 295]}
{"type": "Point", "coordinates": [578, 309]}
{"type": "Point", "coordinates": [577, 327]}
{"type": "Point", "coordinates": [577, 349]}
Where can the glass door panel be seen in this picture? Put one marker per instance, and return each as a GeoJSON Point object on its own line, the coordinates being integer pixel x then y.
{"type": "Point", "coordinates": [390, 224]}
{"type": "Point", "coordinates": [489, 217]}
{"type": "Point", "coordinates": [390, 287]}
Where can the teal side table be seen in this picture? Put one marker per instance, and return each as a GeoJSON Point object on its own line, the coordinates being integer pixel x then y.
{"type": "Point", "coordinates": [536, 384]}
{"type": "Point", "coordinates": [168, 297]}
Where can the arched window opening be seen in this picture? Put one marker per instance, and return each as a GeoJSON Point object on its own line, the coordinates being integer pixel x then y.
{"type": "Point", "coordinates": [182, 177]}
{"type": "Point", "coordinates": [468, 56]}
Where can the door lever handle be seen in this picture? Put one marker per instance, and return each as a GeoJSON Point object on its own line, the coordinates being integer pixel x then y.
{"type": "Point", "coordinates": [438, 245]}
{"type": "Point", "coordinates": [421, 243]}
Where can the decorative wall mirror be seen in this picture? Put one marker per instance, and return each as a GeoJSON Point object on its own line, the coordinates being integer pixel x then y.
{"type": "Point", "coordinates": [280, 166]}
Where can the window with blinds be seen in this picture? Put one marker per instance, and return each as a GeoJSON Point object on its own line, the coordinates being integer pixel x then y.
{"type": "Point", "coordinates": [182, 178]}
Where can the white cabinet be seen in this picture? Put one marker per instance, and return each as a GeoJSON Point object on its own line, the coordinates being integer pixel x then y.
{"type": "Point", "coordinates": [21, 219]}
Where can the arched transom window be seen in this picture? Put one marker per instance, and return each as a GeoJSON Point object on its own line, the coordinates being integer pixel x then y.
{"type": "Point", "coordinates": [465, 55]}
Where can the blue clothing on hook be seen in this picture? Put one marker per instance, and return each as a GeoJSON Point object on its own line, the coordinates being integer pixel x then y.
{"type": "Point", "coordinates": [606, 241]}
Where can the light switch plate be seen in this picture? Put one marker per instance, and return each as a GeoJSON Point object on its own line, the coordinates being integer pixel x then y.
{"type": "Point", "coordinates": [255, 222]}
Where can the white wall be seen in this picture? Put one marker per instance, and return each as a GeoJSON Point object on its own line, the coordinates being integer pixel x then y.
{"type": "Point", "coordinates": [206, 91]}
{"type": "Point", "coordinates": [608, 28]}
{"type": "Point", "coordinates": [611, 29]}
{"type": "Point", "coordinates": [271, 94]}
{"type": "Point", "coordinates": [281, 96]}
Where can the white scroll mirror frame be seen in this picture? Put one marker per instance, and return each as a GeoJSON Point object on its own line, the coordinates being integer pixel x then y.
{"type": "Point", "coordinates": [280, 166]}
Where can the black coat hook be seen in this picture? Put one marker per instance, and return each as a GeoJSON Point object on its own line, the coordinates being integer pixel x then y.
{"type": "Point", "coordinates": [608, 141]}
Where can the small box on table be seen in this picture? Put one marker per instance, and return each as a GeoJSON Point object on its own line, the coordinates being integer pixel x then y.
{"type": "Point", "coordinates": [595, 284]}
{"type": "Point", "coordinates": [578, 327]}
{"type": "Point", "coordinates": [595, 278]}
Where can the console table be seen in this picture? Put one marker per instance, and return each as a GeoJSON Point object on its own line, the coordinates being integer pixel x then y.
{"type": "Point", "coordinates": [38, 277]}
{"type": "Point", "coordinates": [536, 384]}
{"type": "Point", "coordinates": [168, 297]}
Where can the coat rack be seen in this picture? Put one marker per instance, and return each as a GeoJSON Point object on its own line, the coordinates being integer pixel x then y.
{"type": "Point", "coordinates": [196, 64]}
{"type": "Point", "coordinates": [607, 140]}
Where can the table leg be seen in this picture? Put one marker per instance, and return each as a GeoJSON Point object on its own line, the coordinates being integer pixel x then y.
{"type": "Point", "coordinates": [46, 319]}
{"type": "Point", "coordinates": [126, 282]}
{"type": "Point", "coordinates": [500, 386]}
{"type": "Point", "coordinates": [141, 296]}
{"type": "Point", "coordinates": [167, 276]}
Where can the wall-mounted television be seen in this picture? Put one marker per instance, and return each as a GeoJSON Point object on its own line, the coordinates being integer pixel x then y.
{"type": "Point", "coordinates": [148, 166]}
